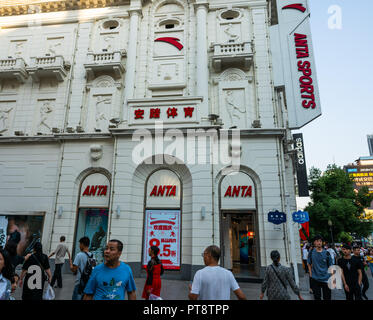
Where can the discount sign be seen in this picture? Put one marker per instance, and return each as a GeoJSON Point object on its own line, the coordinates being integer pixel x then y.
{"type": "Point", "coordinates": [162, 229]}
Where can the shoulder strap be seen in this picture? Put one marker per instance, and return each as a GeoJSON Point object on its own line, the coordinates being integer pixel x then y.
{"type": "Point", "coordinates": [278, 276]}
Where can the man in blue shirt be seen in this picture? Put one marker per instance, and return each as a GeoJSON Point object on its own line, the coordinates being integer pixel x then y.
{"type": "Point", "coordinates": [111, 280]}
{"type": "Point", "coordinates": [319, 261]}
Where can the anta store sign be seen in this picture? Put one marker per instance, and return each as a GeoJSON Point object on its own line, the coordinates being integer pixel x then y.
{"type": "Point", "coordinates": [163, 191]}
{"type": "Point", "coordinates": [294, 63]}
{"type": "Point", "coordinates": [239, 191]}
{"type": "Point", "coordinates": [95, 191]}
{"type": "Point", "coordinates": [98, 191]}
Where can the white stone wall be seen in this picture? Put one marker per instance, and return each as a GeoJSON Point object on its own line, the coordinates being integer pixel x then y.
{"type": "Point", "coordinates": [72, 106]}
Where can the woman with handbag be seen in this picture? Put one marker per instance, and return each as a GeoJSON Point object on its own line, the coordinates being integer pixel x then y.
{"type": "Point", "coordinates": [154, 271]}
{"type": "Point", "coordinates": [276, 279]}
{"type": "Point", "coordinates": [37, 270]}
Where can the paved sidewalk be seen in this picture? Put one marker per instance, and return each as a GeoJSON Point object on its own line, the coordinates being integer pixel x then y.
{"type": "Point", "coordinates": [178, 290]}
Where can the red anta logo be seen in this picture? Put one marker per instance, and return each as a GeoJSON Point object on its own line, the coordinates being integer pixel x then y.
{"type": "Point", "coordinates": [296, 6]}
{"type": "Point", "coordinates": [173, 41]}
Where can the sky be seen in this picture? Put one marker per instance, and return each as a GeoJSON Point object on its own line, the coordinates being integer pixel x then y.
{"type": "Point", "coordinates": [344, 65]}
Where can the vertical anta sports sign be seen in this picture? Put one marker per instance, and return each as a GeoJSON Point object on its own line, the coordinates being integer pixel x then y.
{"type": "Point", "coordinates": [300, 165]}
{"type": "Point", "coordinates": [293, 62]}
{"type": "Point", "coordinates": [162, 229]}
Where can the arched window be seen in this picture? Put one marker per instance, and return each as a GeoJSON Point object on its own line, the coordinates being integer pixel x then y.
{"type": "Point", "coordinates": [93, 214]}
{"type": "Point", "coordinates": [163, 218]}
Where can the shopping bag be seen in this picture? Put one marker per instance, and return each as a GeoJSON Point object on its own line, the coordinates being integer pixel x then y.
{"type": "Point", "coordinates": [154, 297]}
{"type": "Point", "coordinates": [49, 293]}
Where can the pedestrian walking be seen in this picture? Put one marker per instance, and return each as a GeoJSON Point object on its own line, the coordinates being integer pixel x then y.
{"type": "Point", "coordinates": [369, 258]}
{"type": "Point", "coordinates": [351, 274]}
{"type": "Point", "coordinates": [37, 270]}
{"type": "Point", "coordinates": [60, 253]}
{"type": "Point", "coordinates": [319, 261]}
{"type": "Point", "coordinates": [332, 253]}
{"type": "Point", "coordinates": [305, 257]}
{"type": "Point", "coordinates": [361, 259]}
{"type": "Point", "coordinates": [82, 262]}
{"type": "Point", "coordinates": [214, 282]}
{"type": "Point", "coordinates": [154, 271]}
{"type": "Point", "coordinates": [15, 259]}
{"type": "Point", "coordinates": [111, 279]}
{"type": "Point", "coordinates": [276, 279]}
{"type": "Point", "coordinates": [6, 275]}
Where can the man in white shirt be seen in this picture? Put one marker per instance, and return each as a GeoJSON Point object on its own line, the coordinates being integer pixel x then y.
{"type": "Point", "coordinates": [305, 256]}
{"type": "Point", "coordinates": [60, 253]}
{"type": "Point", "coordinates": [214, 282]}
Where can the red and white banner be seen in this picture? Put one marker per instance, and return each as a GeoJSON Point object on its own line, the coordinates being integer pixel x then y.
{"type": "Point", "coordinates": [162, 229]}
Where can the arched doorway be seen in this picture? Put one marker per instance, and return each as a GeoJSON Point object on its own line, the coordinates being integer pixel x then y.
{"type": "Point", "coordinates": [239, 225]}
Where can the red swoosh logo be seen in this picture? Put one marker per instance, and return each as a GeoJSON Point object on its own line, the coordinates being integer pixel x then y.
{"type": "Point", "coordinates": [296, 6]}
{"type": "Point", "coordinates": [173, 41]}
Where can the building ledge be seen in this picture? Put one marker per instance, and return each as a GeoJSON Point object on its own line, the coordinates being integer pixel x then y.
{"type": "Point", "coordinates": [232, 53]}
{"type": "Point", "coordinates": [105, 62]}
{"type": "Point", "coordinates": [47, 66]}
{"type": "Point", "coordinates": [20, 7]}
{"type": "Point", "coordinates": [13, 68]}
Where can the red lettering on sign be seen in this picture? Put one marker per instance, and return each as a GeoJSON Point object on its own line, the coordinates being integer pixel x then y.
{"type": "Point", "coordinates": [305, 81]}
{"type": "Point", "coordinates": [86, 191]}
{"type": "Point", "coordinates": [188, 111]}
{"type": "Point", "coordinates": [155, 113]}
{"type": "Point", "coordinates": [228, 192]}
{"type": "Point", "coordinates": [139, 114]}
{"type": "Point", "coordinates": [236, 191]}
{"type": "Point", "coordinates": [246, 191]}
{"type": "Point", "coordinates": [95, 191]}
{"type": "Point", "coordinates": [171, 112]}
{"type": "Point", "coordinates": [173, 191]}
{"type": "Point", "coordinates": [160, 191]}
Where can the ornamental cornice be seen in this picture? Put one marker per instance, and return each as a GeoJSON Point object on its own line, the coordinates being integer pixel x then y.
{"type": "Point", "coordinates": [21, 7]}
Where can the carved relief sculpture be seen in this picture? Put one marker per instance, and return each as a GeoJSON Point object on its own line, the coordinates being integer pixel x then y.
{"type": "Point", "coordinates": [4, 119]}
{"type": "Point", "coordinates": [101, 112]}
{"type": "Point", "coordinates": [45, 111]}
{"type": "Point", "coordinates": [234, 110]}
{"type": "Point", "coordinates": [108, 43]}
{"type": "Point", "coordinates": [232, 36]}
{"type": "Point", "coordinates": [54, 48]}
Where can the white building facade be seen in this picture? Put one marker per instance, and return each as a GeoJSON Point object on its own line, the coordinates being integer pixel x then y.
{"type": "Point", "coordinates": [78, 81]}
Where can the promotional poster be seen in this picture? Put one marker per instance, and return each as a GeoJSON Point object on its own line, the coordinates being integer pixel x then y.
{"type": "Point", "coordinates": [162, 229]}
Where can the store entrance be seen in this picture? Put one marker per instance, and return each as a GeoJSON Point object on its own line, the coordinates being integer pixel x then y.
{"type": "Point", "coordinates": [239, 243]}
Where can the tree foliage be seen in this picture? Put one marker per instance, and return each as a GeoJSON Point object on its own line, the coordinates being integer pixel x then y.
{"type": "Point", "coordinates": [334, 199]}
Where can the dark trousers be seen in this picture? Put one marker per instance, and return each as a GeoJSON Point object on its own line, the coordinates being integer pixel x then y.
{"type": "Point", "coordinates": [305, 266]}
{"type": "Point", "coordinates": [318, 287]}
{"type": "Point", "coordinates": [365, 284]}
{"type": "Point", "coordinates": [354, 293]}
{"type": "Point", "coordinates": [57, 275]}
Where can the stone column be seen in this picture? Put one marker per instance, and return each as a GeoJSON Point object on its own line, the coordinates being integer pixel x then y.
{"type": "Point", "coordinates": [129, 81]}
{"type": "Point", "coordinates": [202, 76]}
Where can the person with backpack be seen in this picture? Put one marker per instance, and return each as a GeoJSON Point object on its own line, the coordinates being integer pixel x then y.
{"type": "Point", "coordinates": [35, 271]}
{"type": "Point", "coordinates": [113, 278]}
{"type": "Point", "coordinates": [276, 279]}
{"type": "Point", "coordinates": [82, 267]}
{"type": "Point", "coordinates": [319, 261]}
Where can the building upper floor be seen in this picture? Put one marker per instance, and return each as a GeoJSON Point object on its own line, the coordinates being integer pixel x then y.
{"type": "Point", "coordinates": [89, 66]}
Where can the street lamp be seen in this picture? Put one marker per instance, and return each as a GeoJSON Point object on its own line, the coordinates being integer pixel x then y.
{"type": "Point", "coordinates": [330, 223]}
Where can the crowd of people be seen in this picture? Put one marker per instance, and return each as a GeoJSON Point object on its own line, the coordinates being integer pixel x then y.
{"type": "Point", "coordinates": [353, 261]}
{"type": "Point", "coordinates": [113, 279]}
